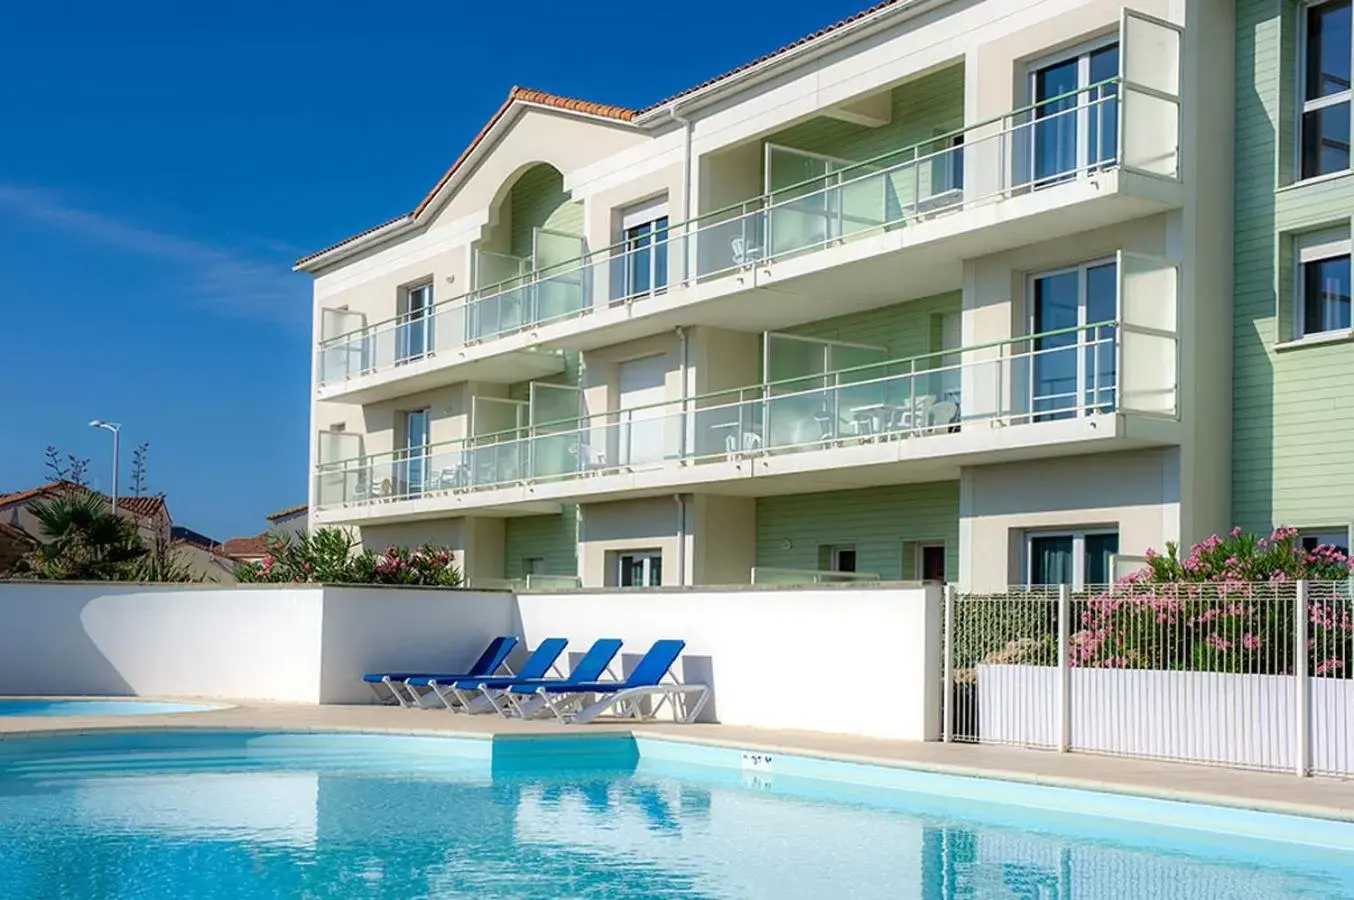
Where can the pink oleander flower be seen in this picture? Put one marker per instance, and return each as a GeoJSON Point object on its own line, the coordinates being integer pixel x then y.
{"type": "Point", "coordinates": [1250, 641]}
{"type": "Point", "coordinates": [1235, 532]}
{"type": "Point", "coordinates": [1329, 666]}
{"type": "Point", "coordinates": [1218, 642]}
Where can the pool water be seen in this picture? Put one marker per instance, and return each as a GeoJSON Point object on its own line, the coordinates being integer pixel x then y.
{"type": "Point", "coordinates": [35, 707]}
{"type": "Point", "coordinates": [245, 817]}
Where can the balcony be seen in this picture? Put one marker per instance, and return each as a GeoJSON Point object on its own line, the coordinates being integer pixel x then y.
{"type": "Point", "coordinates": [866, 234]}
{"type": "Point", "coordinates": [1103, 387]}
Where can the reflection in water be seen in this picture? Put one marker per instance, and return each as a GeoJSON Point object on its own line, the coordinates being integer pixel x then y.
{"type": "Point", "coordinates": [345, 829]}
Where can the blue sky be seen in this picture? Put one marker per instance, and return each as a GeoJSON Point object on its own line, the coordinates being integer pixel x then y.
{"type": "Point", "coordinates": [162, 165]}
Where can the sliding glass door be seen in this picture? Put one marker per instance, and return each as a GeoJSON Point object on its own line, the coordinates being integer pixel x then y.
{"type": "Point", "coordinates": [1076, 117]}
{"type": "Point", "coordinates": [1073, 364]}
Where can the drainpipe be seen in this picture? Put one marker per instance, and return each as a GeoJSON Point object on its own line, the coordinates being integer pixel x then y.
{"type": "Point", "coordinates": [686, 188]}
{"type": "Point", "coordinates": [681, 538]}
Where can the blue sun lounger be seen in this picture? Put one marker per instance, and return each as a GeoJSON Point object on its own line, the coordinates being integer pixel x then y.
{"type": "Point", "coordinates": [461, 694]}
{"type": "Point", "coordinates": [566, 700]}
{"type": "Point", "coordinates": [521, 696]}
{"type": "Point", "coordinates": [491, 660]}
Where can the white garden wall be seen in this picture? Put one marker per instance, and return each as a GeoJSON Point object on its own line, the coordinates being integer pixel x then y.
{"type": "Point", "coordinates": [1237, 720]}
{"type": "Point", "coordinates": [855, 660]}
{"type": "Point", "coordinates": [297, 644]}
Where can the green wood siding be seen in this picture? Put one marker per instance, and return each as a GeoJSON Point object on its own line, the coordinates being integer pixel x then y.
{"type": "Point", "coordinates": [923, 108]}
{"type": "Point", "coordinates": [1293, 439]}
{"type": "Point", "coordinates": [553, 538]}
{"type": "Point", "coordinates": [905, 329]}
{"type": "Point", "coordinates": [877, 521]}
{"type": "Point", "coordinates": [538, 200]}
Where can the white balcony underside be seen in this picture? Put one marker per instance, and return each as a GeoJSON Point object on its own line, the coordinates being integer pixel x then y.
{"type": "Point", "coordinates": [919, 260]}
{"type": "Point", "coordinates": [852, 463]}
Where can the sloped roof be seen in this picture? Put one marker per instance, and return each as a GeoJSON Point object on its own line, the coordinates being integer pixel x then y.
{"type": "Point", "coordinates": [289, 511]}
{"type": "Point", "coordinates": [603, 110]}
{"type": "Point", "coordinates": [516, 95]}
{"type": "Point", "coordinates": [141, 507]}
{"type": "Point", "coordinates": [238, 548]}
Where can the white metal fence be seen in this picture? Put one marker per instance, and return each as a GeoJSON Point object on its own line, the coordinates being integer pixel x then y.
{"type": "Point", "coordinates": [1248, 675]}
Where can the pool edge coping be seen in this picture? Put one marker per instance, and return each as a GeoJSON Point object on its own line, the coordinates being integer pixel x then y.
{"type": "Point", "coordinates": [1226, 801]}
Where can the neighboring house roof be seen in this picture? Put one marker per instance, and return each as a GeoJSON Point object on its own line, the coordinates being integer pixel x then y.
{"type": "Point", "coordinates": [288, 512]}
{"type": "Point", "coordinates": [619, 113]}
{"type": "Point", "coordinates": [16, 534]}
{"type": "Point", "coordinates": [241, 548]}
{"type": "Point", "coordinates": [181, 534]}
{"type": "Point", "coordinates": [141, 507]}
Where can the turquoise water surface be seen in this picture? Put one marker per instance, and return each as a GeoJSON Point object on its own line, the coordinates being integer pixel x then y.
{"type": "Point", "coordinates": [242, 816]}
{"type": "Point", "coordinates": [36, 707]}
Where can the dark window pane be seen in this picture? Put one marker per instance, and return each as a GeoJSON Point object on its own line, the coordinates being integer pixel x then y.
{"type": "Point", "coordinates": [1325, 295]}
{"type": "Point", "coordinates": [1328, 50]}
{"type": "Point", "coordinates": [1051, 560]}
{"type": "Point", "coordinates": [1099, 549]}
{"type": "Point", "coordinates": [846, 560]}
{"type": "Point", "coordinates": [1325, 140]}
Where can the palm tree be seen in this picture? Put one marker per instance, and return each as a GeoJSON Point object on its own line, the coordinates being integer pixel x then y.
{"type": "Point", "coordinates": [81, 540]}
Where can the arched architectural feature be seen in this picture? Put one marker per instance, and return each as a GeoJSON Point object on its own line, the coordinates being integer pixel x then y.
{"type": "Point", "coordinates": [533, 223]}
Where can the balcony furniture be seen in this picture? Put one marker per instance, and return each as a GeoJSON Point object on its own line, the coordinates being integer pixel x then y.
{"type": "Point", "coordinates": [737, 440]}
{"type": "Point", "coordinates": [590, 458]}
{"type": "Point", "coordinates": [943, 416]}
{"type": "Point", "coordinates": [744, 255]}
{"type": "Point", "coordinates": [494, 657]}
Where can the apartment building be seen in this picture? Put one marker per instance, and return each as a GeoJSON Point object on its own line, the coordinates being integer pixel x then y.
{"type": "Point", "coordinates": [943, 290]}
{"type": "Point", "coordinates": [1294, 446]}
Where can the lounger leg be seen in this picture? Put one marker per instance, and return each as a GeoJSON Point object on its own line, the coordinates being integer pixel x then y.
{"type": "Point", "coordinates": [394, 691]}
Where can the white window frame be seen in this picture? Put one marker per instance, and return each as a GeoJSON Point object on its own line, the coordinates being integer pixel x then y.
{"type": "Point", "coordinates": [919, 567]}
{"type": "Point", "coordinates": [1311, 248]}
{"type": "Point", "coordinates": [834, 557]}
{"type": "Point", "coordinates": [1337, 536]}
{"type": "Point", "coordinates": [406, 317]}
{"type": "Point", "coordinates": [1082, 54]}
{"type": "Point", "coordinates": [648, 212]}
{"type": "Point", "coordinates": [646, 557]}
{"type": "Point", "coordinates": [1083, 279]}
{"type": "Point", "coordinates": [1078, 535]}
{"type": "Point", "coordinates": [1305, 106]}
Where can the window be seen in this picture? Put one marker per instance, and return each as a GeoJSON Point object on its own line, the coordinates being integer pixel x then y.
{"type": "Point", "coordinates": [644, 239]}
{"type": "Point", "coordinates": [1072, 366]}
{"type": "Point", "coordinates": [1325, 89]}
{"type": "Point", "coordinates": [640, 568]}
{"type": "Point", "coordinates": [412, 458]}
{"type": "Point", "coordinates": [413, 332]}
{"type": "Point", "coordinates": [1323, 289]}
{"type": "Point", "coordinates": [1317, 537]}
{"type": "Point", "coordinates": [1076, 122]}
{"type": "Point", "coordinates": [533, 565]}
{"type": "Point", "coordinates": [1077, 558]}
{"type": "Point", "coordinates": [931, 562]}
{"type": "Point", "coordinates": [841, 558]}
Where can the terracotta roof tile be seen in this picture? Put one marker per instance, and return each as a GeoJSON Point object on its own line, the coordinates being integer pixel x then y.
{"type": "Point", "coordinates": [243, 547]}
{"type": "Point", "coordinates": [142, 507]}
{"type": "Point", "coordinates": [289, 511]}
{"type": "Point", "coordinates": [620, 113]}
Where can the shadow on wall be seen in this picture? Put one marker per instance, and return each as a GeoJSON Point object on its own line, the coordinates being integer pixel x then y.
{"type": "Point", "coordinates": [53, 630]}
{"type": "Point", "coordinates": [1258, 42]}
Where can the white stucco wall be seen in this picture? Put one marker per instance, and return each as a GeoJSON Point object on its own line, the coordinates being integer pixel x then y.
{"type": "Point", "coordinates": [288, 644]}
{"type": "Point", "coordinates": [777, 658]}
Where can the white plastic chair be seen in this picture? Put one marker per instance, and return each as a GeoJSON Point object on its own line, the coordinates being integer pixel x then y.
{"type": "Point", "coordinates": [744, 255]}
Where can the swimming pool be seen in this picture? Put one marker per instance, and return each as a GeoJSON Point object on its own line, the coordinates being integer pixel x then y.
{"type": "Point", "coordinates": [243, 815]}
{"type": "Point", "coordinates": [45, 707]}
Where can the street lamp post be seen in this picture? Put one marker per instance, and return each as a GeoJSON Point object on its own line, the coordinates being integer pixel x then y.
{"type": "Point", "coordinates": [116, 429]}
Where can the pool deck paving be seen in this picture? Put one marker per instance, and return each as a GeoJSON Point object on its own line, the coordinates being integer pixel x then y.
{"type": "Point", "coordinates": [1326, 798]}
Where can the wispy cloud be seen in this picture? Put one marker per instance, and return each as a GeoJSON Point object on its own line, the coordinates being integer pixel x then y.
{"type": "Point", "coordinates": [228, 281]}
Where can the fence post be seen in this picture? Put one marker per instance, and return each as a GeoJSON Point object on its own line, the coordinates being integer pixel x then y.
{"type": "Point", "coordinates": [1302, 687]}
{"type": "Point", "coordinates": [947, 648]}
{"type": "Point", "coordinates": [1064, 668]}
